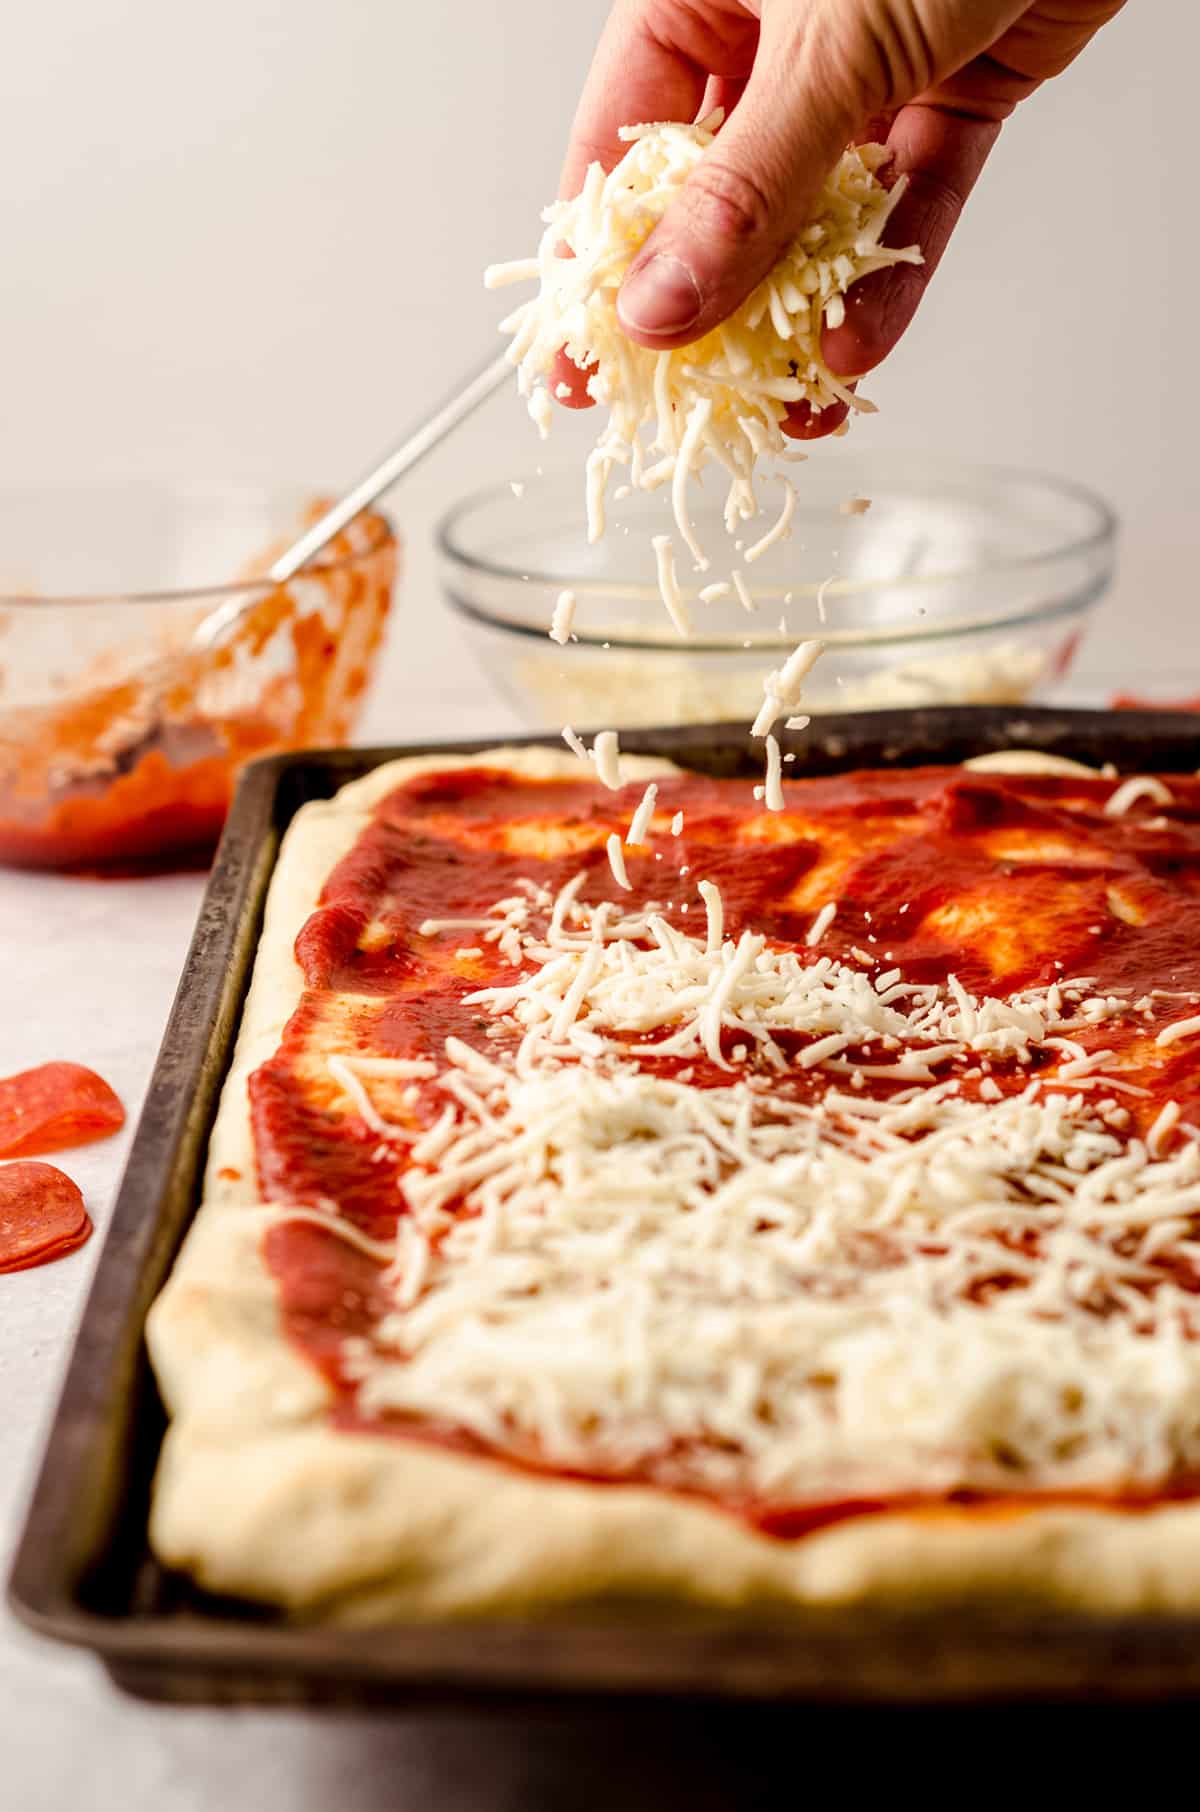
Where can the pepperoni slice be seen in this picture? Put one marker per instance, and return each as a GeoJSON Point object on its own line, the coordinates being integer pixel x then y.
{"type": "Point", "coordinates": [54, 1105]}
{"type": "Point", "coordinates": [1129, 701]}
{"type": "Point", "coordinates": [42, 1216]}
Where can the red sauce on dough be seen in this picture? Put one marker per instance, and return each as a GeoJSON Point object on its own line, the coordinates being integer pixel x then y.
{"type": "Point", "coordinates": [55, 1105]}
{"type": "Point", "coordinates": [42, 1216]}
{"type": "Point", "coordinates": [1006, 882]}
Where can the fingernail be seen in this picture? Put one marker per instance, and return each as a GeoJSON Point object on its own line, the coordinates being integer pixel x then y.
{"type": "Point", "coordinates": [662, 297]}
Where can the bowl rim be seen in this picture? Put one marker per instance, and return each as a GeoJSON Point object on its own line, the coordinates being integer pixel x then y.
{"type": "Point", "coordinates": [1103, 532]}
{"type": "Point", "coordinates": [186, 594]}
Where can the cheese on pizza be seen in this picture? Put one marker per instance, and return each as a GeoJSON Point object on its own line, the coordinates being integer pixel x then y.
{"type": "Point", "coordinates": [663, 1162]}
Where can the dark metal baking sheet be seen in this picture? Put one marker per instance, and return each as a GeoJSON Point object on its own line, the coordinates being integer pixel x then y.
{"type": "Point", "coordinates": [84, 1573]}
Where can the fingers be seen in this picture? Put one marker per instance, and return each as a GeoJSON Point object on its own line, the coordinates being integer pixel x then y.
{"type": "Point", "coordinates": [742, 206]}
{"type": "Point", "coordinates": [568, 383]}
{"type": "Point", "coordinates": [803, 422]}
{"type": "Point", "coordinates": [941, 141]}
{"type": "Point", "coordinates": [942, 153]}
{"type": "Point", "coordinates": [641, 74]}
{"type": "Point", "coordinates": [637, 74]}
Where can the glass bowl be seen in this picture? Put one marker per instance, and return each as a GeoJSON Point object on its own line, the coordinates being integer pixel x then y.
{"type": "Point", "coordinates": [119, 740]}
{"type": "Point", "coordinates": [959, 584]}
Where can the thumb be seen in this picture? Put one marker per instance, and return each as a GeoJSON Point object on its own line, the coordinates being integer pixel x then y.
{"type": "Point", "coordinates": [743, 204]}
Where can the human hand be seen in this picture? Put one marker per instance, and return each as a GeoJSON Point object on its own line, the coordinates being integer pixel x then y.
{"type": "Point", "coordinates": [801, 79]}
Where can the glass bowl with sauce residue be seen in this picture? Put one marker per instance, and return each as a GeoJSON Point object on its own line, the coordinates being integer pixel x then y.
{"type": "Point", "coordinates": [930, 580]}
{"type": "Point", "coordinates": [120, 740]}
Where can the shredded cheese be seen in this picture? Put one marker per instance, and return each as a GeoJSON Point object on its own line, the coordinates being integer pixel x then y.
{"type": "Point", "coordinates": [606, 754]}
{"type": "Point", "coordinates": [714, 910]}
{"type": "Point", "coordinates": [343, 1072]}
{"type": "Point", "coordinates": [779, 529]}
{"type": "Point", "coordinates": [1026, 761]}
{"type": "Point", "coordinates": [639, 824]}
{"type": "Point", "coordinates": [605, 1267]}
{"type": "Point", "coordinates": [821, 923]}
{"type": "Point", "coordinates": [1182, 1028]}
{"type": "Point", "coordinates": [616, 861]}
{"type": "Point", "coordinates": [1139, 786]}
{"type": "Point", "coordinates": [744, 597]}
{"type": "Point", "coordinates": [723, 400]}
{"type": "Point", "coordinates": [564, 616]}
{"type": "Point", "coordinates": [773, 788]}
{"type": "Point", "coordinates": [668, 584]}
{"type": "Point", "coordinates": [1159, 1136]}
{"type": "Point", "coordinates": [781, 688]}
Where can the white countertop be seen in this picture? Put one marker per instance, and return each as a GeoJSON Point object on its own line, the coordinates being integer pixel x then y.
{"type": "Point", "coordinates": [91, 968]}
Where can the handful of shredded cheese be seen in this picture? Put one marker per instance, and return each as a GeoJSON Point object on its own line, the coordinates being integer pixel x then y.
{"type": "Point", "coordinates": [721, 400]}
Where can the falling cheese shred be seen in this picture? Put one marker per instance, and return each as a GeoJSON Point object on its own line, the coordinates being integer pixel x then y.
{"type": "Point", "coordinates": [564, 616]}
{"type": "Point", "coordinates": [616, 861]}
{"type": "Point", "coordinates": [821, 923]}
{"type": "Point", "coordinates": [779, 529]}
{"type": "Point", "coordinates": [668, 584]}
{"type": "Point", "coordinates": [639, 824]}
{"type": "Point", "coordinates": [781, 689]}
{"type": "Point", "coordinates": [773, 786]}
{"type": "Point", "coordinates": [714, 910]}
{"type": "Point", "coordinates": [745, 598]}
{"type": "Point", "coordinates": [606, 753]}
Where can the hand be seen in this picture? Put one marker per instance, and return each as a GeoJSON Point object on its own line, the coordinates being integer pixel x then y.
{"type": "Point", "coordinates": [801, 79]}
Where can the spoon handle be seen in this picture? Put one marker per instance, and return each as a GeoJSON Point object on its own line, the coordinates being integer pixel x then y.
{"type": "Point", "coordinates": [466, 398]}
{"type": "Point", "coordinates": [394, 465]}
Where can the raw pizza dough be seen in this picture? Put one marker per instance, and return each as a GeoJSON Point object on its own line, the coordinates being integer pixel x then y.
{"type": "Point", "coordinates": [259, 1497]}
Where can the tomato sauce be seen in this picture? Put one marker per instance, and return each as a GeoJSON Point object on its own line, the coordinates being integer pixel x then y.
{"type": "Point", "coordinates": [139, 771]}
{"type": "Point", "coordinates": [1005, 882]}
